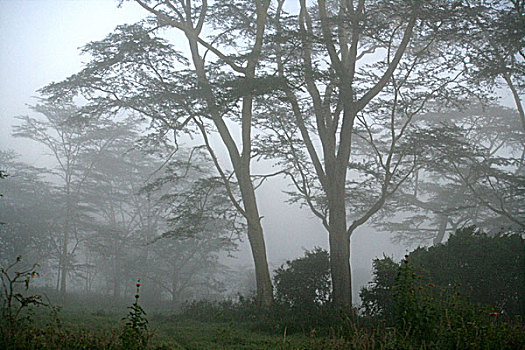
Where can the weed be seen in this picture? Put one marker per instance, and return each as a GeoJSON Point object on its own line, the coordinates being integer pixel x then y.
{"type": "Point", "coordinates": [135, 335]}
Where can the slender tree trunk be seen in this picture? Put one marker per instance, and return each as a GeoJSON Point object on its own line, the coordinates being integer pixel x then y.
{"type": "Point", "coordinates": [257, 244]}
{"type": "Point", "coordinates": [116, 280]}
{"type": "Point", "coordinates": [64, 263]}
{"type": "Point", "coordinates": [339, 251]}
{"type": "Point", "coordinates": [174, 297]}
{"type": "Point", "coordinates": [59, 272]}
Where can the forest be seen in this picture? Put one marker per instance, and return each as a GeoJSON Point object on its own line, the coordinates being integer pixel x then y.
{"type": "Point", "coordinates": [397, 116]}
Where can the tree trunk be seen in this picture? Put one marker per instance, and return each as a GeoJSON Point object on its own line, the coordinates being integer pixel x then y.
{"type": "Point", "coordinates": [116, 288]}
{"type": "Point", "coordinates": [174, 294]}
{"type": "Point", "coordinates": [64, 255]}
{"type": "Point", "coordinates": [256, 239]}
{"type": "Point", "coordinates": [443, 219]}
{"type": "Point", "coordinates": [116, 282]}
{"type": "Point", "coordinates": [340, 269]}
{"type": "Point", "coordinates": [339, 251]}
{"type": "Point", "coordinates": [63, 265]}
{"type": "Point", "coordinates": [262, 274]}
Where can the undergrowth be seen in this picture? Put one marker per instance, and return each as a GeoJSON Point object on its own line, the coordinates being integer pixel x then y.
{"type": "Point", "coordinates": [423, 317]}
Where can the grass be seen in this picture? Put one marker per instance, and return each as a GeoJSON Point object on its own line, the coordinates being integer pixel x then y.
{"type": "Point", "coordinates": [80, 327]}
{"type": "Point", "coordinates": [86, 330]}
{"type": "Point", "coordinates": [420, 319]}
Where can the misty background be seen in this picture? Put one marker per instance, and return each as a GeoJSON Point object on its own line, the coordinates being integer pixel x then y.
{"type": "Point", "coordinates": [39, 44]}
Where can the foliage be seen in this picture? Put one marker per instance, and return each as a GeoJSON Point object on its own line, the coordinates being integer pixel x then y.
{"type": "Point", "coordinates": [413, 310]}
{"type": "Point", "coordinates": [494, 46]}
{"type": "Point", "coordinates": [25, 192]}
{"type": "Point", "coordinates": [75, 140]}
{"type": "Point", "coordinates": [491, 268]}
{"type": "Point", "coordinates": [135, 334]}
{"type": "Point", "coordinates": [377, 299]}
{"type": "Point", "coordinates": [16, 305]}
{"type": "Point", "coordinates": [230, 324]}
{"type": "Point", "coordinates": [468, 172]}
{"type": "Point", "coordinates": [445, 318]}
{"type": "Point", "coordinates": [304, 283]}
{"type": "Point", "coordinates": [14, 301]}
{"type": "Point", "coordinates": [112, 217]}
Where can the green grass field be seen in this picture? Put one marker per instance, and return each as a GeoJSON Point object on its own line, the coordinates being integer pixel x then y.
{"type": "Point", "coordinates": [80, 326]}
{"type": "Point", "coordinates": [83, 329]}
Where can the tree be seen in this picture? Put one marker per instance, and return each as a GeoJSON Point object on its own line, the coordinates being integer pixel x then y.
{"type": "Point", "coordinates": [68, 137]}
{"type": "Point", "coordinates": [468, 173]}
{"type": "Point", "coordinates": [135, 69]}
{"type": "Point", "coordinates": [366, 71]}
{"type": "Point", "coordinates": [482, 176]}
{"type": "Point", "coordinates": [495, 47]}
{"type": "Point", "coordinates": [29, 213]}
{"type": "Point", "coordinates": [165, 221]}
{"type": "Point", "coordinates": [201, 224]}
{"type": "Point", "coordinates": [120, 220]}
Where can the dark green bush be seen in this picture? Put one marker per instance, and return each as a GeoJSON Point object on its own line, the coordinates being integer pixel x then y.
{"type": "Point", "coordinates": [490, 269]}
{"type": "Point", "coordinates": [304, 283]}
{"type": "Point", "coordinates": [377, 300]}
{"type": "Point", "coordinates": [443, 318]}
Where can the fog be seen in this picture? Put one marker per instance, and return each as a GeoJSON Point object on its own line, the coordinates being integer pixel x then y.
{"type": "Point", "coordinates": [40, 44]}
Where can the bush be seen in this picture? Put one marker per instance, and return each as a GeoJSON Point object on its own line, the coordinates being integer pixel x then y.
{"type": "Point", "coordinates": [427, 317]}
{"type": "Point", "coordinates": [304, 283]}
{"type": "Point", "coordinates": [18, 330]}
{"type": "Point", "coordinates": [15, 300]}
{"type": "Point", "coordinates": [377, 300]}
{"type": "Point", "coordinates": [491, 270]}
{"type": "Point", "coordinates": [491, 267]}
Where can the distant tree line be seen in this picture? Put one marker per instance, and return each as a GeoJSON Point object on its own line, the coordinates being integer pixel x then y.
{"type": "Point", "coordinates": [110, 213]}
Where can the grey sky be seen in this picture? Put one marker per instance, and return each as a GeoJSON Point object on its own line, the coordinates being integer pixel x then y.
{"type": "Point", "coordinates": [39, 43]}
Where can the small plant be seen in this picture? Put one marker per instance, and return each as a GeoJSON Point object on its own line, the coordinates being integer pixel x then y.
{"type": "Point", "coordinates": [16, 323]}
{"type": "Point", "coordinates": [14, 302]}
{"type": "Point", "coordinates": [135, 334]}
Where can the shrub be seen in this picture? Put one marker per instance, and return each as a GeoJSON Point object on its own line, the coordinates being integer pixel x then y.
{"type": "Point", "coordinates": [377, 300]}
{"type": "Point", "coordinates": [304, 283]}
{"type": "Point", "coordinates": [428, 317]}
{"type": "Point", "coordinates": [415, 310]}
{"type": "Point", "coordinates": [491, 269]}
